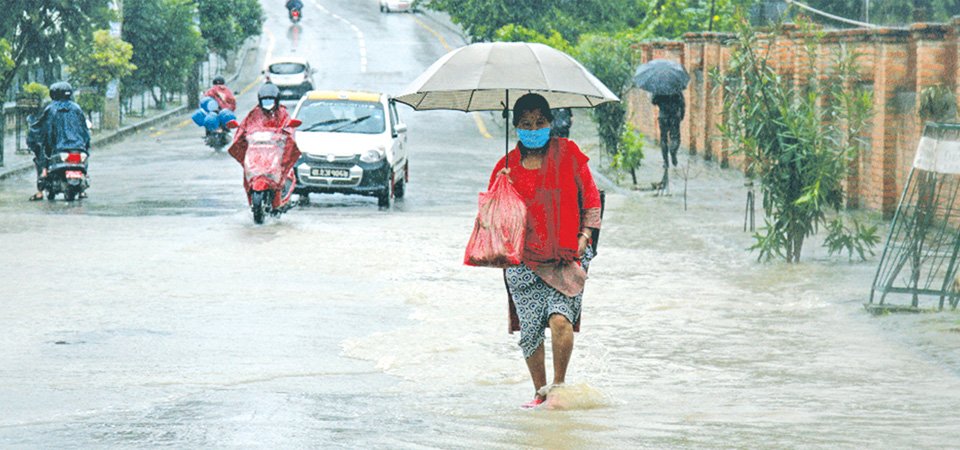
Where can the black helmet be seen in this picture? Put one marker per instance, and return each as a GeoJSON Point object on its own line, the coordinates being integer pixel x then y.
{"type": "Point", "coordinates": [219, 80]}
{"type": "Point", "coordinates": [269, 91]}
{"type": "Point", "coordinates": [61, 90]}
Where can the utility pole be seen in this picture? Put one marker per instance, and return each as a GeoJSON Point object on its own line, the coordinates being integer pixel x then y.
{"type": "Point", "coordinates": [110, 120]}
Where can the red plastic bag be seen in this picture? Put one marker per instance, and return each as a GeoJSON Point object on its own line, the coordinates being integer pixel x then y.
{"type": "Point", "coordinates": [498, 233]}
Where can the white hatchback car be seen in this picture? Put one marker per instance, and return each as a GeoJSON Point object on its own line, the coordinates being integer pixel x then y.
{"type": "Point", "coordinates": [396, 5]}
{"type": "Point", "coordinates": [352, 143]}
{"type": "Point", "coordinates": [292, 74]}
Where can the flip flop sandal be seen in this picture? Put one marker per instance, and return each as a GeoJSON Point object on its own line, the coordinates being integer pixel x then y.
{"type": "Point", "coordinates": [537, 401]}
{"type": "Point", "coordinates": [36, 197]}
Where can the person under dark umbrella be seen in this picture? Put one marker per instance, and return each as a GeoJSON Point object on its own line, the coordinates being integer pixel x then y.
{"type": "Point", "coordinates": [672, 109]}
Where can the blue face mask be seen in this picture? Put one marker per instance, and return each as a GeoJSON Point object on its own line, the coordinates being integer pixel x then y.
{"type": "Point", "coordinates": [534, 138]}
{"type": "Point", "coordinates": [267, 103]}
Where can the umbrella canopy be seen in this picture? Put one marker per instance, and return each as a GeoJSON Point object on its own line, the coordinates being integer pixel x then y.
{"type": "Point", "coordinates": [484, 76]}
{"type": "Point", "coordinates": [661, 77]}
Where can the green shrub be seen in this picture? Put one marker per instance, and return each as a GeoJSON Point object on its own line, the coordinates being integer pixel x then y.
{"type": "Point", "coordinates": [630, 152]}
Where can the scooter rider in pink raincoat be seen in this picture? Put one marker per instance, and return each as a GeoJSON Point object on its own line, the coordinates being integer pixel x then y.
{"type": "Point", "coordinates": [268, 115]}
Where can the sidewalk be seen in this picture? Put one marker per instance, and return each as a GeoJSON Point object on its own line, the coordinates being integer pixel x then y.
{"type": "Point", "coordinates": [15, 163]}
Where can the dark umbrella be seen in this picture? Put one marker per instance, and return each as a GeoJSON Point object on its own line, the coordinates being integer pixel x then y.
{"type": "Point", "coordinates": [661, 77]}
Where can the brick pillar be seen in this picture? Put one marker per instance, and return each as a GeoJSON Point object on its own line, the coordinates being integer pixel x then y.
{"type": "Point", "coordinates": [695, 91]}
{"type": "Point", "coordinates": [892, 76]}
{"type": "Point", "coordinates": [932, 62]}
{"type": "Point", "coordinates": [721, 145]}
{"type": "Point", "coordinates": [955, 59]}
{"type": "Point", "coordinates": [858, 42]}
{"type": "Point", "coordinates": [711, 108]}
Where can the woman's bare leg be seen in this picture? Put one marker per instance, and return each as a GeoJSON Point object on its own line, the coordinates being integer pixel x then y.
{"type": "Point", "coordinates": [562, 340]}
{"type": "Point", "coordinates": [538, 373]}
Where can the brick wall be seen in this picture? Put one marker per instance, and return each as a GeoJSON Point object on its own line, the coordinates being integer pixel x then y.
{"type": "Point", "coordinates": [896, 64]}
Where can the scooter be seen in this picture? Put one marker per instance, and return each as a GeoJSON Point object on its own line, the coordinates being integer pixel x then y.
{"type": "Point", "coordinates": [217, 139]}
{"type": "Point", "coordinates": [66, 174]}
{"type": "Point", "coordinates": [295, 15]}
{"type": "Point", "coordinates": [269, 187]}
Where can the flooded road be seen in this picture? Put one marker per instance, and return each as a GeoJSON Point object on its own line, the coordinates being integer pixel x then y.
{"type": "Point", "coordinates": [155, 313]}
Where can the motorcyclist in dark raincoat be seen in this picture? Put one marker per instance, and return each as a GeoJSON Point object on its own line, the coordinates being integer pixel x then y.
{"type": "Point", "coordinates": [294, 4]}
{"type": "Point", "coordinates": [62, 126]}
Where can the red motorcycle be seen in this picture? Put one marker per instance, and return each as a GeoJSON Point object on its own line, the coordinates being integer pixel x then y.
{"type": "Point", "coordinates": [268, 156]}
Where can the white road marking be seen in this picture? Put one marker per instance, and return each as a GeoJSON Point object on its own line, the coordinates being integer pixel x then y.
{"type": "Point", "coordinates": [361, 41]}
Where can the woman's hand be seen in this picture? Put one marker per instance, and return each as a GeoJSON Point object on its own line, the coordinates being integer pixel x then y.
{"type": "Point", "coordinates": [583, 238]}
{"type": "Point", "coordinates": [505, 171]}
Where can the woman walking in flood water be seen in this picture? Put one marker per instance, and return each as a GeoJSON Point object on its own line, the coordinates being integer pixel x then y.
{"type": "Point", "coordinates": [563, 212]}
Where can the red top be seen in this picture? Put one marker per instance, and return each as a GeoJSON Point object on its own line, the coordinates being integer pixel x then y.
{"type": "Point", "coordinates": [257, 120]}
{"type": "Point", "coordinates": [556, 195]}
{"type": "Point", "coordinates": [224, 97]}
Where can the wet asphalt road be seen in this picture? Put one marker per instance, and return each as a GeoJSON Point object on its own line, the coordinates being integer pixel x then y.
{"type": "Point", "coordinates": [155, 313]}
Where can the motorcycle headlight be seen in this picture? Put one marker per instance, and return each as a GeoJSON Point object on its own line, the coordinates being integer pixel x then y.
{"type": "Point", "coordinates": [372, 155]}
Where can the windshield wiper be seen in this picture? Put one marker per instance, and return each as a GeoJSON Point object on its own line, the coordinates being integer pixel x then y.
{"type": "Point", "coordinates": [316, 125]}
{"type": "Point", "coordinates": [351, 123]}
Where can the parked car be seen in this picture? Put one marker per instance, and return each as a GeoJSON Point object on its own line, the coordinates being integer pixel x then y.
{"type": "Point", "coordinates": [292, 74]}
{"type": "Point", "coordinates": [352, 143]}
{"type": "Point", "coordinates": [396, 5]}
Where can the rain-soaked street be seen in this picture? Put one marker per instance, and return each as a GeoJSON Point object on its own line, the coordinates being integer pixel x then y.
{"type": "Point", "coordinates": [155, 313]}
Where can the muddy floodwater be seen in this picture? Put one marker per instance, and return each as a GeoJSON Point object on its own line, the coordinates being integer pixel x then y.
{"type": "Point", "coordinates": [156, 314]}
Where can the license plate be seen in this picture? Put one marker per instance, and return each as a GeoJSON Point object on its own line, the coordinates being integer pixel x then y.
{"type": "Point", "coordinates": [329, 173]}
{"type": "Point", "coordinates": [74, 174]}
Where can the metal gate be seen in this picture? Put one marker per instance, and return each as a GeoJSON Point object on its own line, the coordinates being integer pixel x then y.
{"type": "Point", "coordinates": [920, 257]}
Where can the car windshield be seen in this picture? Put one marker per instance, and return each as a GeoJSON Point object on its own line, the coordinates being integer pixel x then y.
{"type": "Point", "coordinates": [341, 116]}
{"type": "Point", "coordinates": [287, 68]}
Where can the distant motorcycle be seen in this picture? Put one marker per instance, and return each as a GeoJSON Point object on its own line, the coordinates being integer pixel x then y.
{"type": "Point", "coordinates": [295, 15]}
{"type": "Point", "coordinates": [66, 174]}
{"type": "Point", "coordinates": [268, 183]}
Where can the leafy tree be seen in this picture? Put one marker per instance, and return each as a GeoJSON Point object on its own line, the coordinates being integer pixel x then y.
{"type": "Point", "coordinates": [517, 33]}
{"type": "Point", "coordinates": [671, 19]}
{"type": "Point", "coordinates": [800, 144]}
{"type": "Point", "coordinates": [249, 17]}
{"type": "Point", "coordinates": [612, 59]}
{"type": "Point", "coordinates": [37, 30]}
{"type": "Point", "coordinates": [166, 43]}
{"type": "Point", "coordinates": [889, 12]}
{"type": "Point", "coordinates": [6, 60]}
{"type": "Point", "coordinates": [98, 61]}
{"type": "Point", "coordinates": [225, 24]}
{"type": "Point", "coordinates": [482, 18]}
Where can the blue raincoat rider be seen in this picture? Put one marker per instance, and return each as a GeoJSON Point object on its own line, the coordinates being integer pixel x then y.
{"type": "Point", "coordinates": [294, 4]}
{"type": "Point", "coordinates": [62, 126]}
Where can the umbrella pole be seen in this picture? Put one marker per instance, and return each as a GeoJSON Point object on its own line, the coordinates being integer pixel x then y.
{"type": "Point", "coordinates": [506, 126]}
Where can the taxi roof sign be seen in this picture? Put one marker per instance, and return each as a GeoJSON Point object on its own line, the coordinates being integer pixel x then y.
{"type": "Point", "coordinates": [356, 96]}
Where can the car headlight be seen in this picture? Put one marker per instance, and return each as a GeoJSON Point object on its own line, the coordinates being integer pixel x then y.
{"type": "Point", "coordinates": [372, 155]}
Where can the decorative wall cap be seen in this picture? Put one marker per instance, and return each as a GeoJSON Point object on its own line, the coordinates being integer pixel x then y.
{"type": "Point", "coordinates": [890, 34]}
{"type": "Point", "coordinates": [672, 45]}
{"type": "Point", "coordinates": [925, 30]}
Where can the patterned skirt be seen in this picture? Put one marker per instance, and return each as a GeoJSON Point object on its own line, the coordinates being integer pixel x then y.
{"type": "Point", "coordinates": [536, 301]}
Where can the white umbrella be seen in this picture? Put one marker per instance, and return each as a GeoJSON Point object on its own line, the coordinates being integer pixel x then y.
{"type": "Point", "coordinates": [484, 76]}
